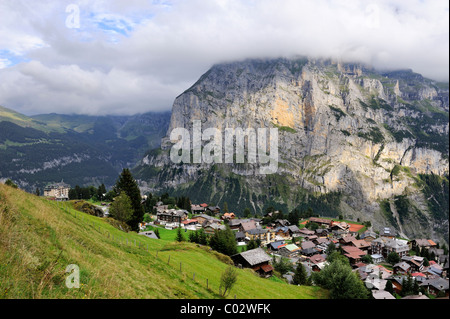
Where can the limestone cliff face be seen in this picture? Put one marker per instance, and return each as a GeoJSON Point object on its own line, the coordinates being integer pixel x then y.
{"type": "Point", "coordinates": [343, 129]}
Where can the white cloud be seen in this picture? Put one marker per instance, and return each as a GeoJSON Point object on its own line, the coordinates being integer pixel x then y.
{"type": "Point", "coordinates": [135, 55]}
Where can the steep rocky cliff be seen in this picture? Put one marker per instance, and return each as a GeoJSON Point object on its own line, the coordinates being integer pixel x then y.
{"type": "Point", "coordinates": [352, 141]}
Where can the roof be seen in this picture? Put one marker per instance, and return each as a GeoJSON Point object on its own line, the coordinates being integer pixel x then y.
{"type": "Point", "coordinates": [438, 283]}
{"type": "Point", "coordinates": [308, 244]}
{"type": "Point", "coordinates": [422, 242]}
{"type": "Point", "coordinates": [382, 294]}
{"type": "Point", "coordinates": [376, 256]}
{"type": "Point", "coordinates": [293, 228]}
{"type": "Point", "coordinates": [321, 220]}
{"type": "Point", "coordinates": [277, 244]}
{"type": "Point", "coordinates": [247, 225]}
{"type": "Point", "coordinates": [257, 231]}
{"type": "Point", "coordinates": [403, 265]}
{"type": "Point", "coordinates": [432, 243]}
{"type": "Point", "coordinates": [204, 205]}
{"type": "Point", "coordinates": [255, 256]}
{"type": "Point", "coordinates": [292, 247]}
{"type": "Point", "coordinates": [360, 243]}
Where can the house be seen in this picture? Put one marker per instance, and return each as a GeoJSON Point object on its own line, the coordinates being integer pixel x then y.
{"type": "Point", "coordinates": [382, 294]}
{"type": "Point", "coordinates": [240, 237]}
{"type": "Point", "coordinates": [354, 254]}
{"type": "Point", "coordinates": [308, 252]}
{"type": "Point", "coordinates": [346, 240]}
{"type": "Point", "coordinates": [228, 216]}
{"type": "Point", "coordinates": [264, 235]}
{"type": "Point", "coordinates": [340, 226]}
{"type": "Point", "coordinates": [197, 209]}
{"type": "Point", "coordinates": [276, 245]}
{"type": "Point", "coordinates": [289, 251]}
{"type": "Point", "coordinates": [401, 268]}
{"type": "Point", "coordinates": [436, 285]}
{"type": "Point", "coordinates": [368, 236]}
{"type": "Point", "coordinates": [160, 208]}
{"type": "Point", "coordinates": [377, 258]}
{"type": "Point", "coordinates": [361, 244]}
{"type": "Point", "coordinates": [255, 259]}
{"type": "Point", "coordinates": [385, 245]}
{"type": "Point", "coordinates": [388, 232]}
{"type": "Point", "coordinates": [213, 210]}
{"type": "Point", "coordinates": [211, 228]}
{"type": "Point", "coordinates": [415, 262]}
{"type": "Point", "coordinates": [306, 232]}
{"type": "Point", "coordinates": [321, 232]}
{"type": "Point", "coordinates": [317, 258]}
{"type": "Point", "coordinates": [422, 243]}
{"type": "Point", "coordinates": [321, 221]}
{"type": "Point", "coordinates": [294, 231]}
{"type": "Point", "coordinates": [59, 191]}
{"type": "Point", "coordinates": [281, 223]}
{"type": "Point", "coordinates": [191, 224]}
{"type": "Point", "coordinates": [282, 232]}
{"type": "Point", "coordinates": [373, 281]}
{"type": "Point", "coordinates": [172, 216]}
{"type": "Point", "coordinates": [248, 224]}
{"type": "Point", "coordinates": [308, 244]}
{"type": "Point", "coordinates": [202, 218]}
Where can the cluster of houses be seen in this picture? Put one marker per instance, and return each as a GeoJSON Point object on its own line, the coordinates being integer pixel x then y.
{"type": "Point", "coordinates": [281, 239]}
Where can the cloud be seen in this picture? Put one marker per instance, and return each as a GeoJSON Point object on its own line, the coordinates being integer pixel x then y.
{"type": "Point", "coordinates": [136, 56]}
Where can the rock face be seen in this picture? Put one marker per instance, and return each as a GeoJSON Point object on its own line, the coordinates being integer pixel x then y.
{"type": "Point", "coordinates": [349, 139]}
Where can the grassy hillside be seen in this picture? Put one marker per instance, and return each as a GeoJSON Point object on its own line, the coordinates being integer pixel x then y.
{"type": "Point", "coordinates": [38, 239]}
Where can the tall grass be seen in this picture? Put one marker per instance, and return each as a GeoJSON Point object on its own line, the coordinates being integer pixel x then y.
{"type": "Point", "coordinates": [39, 239]}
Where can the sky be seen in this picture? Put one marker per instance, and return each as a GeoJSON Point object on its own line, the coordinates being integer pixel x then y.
{"type": "Point", "coordinates": [125, 57]}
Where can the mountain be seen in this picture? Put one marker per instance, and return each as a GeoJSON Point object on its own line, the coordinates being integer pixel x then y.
{"type": "Point", "coordinates": [79, 149]}
{"type": "Point", "coordinates": [352, 141]}
{"type": "Point", "coordinates": [40, 238]}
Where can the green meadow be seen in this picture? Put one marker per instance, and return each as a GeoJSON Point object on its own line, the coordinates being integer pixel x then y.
{"type": "Point", "coordinates": [40, 238]}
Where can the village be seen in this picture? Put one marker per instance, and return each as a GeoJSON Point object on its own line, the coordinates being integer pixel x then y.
{"type": "Point", "coordinates": [382, 260]}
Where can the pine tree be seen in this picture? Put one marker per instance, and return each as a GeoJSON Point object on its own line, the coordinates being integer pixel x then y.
{"type": "Point", "coordinates": [180, 236]}
{"type": "Point", "coordinates": [127, 184]}
{"type": "Point", "coordinates": [300, 275]}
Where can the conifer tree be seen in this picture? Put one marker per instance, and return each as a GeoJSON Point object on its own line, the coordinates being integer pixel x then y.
{"type": "Point", "coordinates": [127, 184]}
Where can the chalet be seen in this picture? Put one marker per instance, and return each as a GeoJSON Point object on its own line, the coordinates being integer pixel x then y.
{"type": "Point", "coordinates": [368, 236]}
{"type": "Point", "coordinates": [384, 245]}
{"type": "Point", "coordinates": [346, 240]}
{"type": "Point", "coordinates": [353, 254]}
{"type": "Point", "coordinates": [213, 210]}
{"type": "Point", "coordinates": [373, 282]}
{"type": "Point", "coordinates": [240, 236]}
{"type": "Point", "coordinates": [382, 294]}
{"type": "Point", "coordinates": [197, 209]}
{"type": "Point", "coordinates": [264, 235]}
{"type": "Point", "coordinates": [282, 232]}
{"type": "Point", "coordinates": [172, 216]}
{"type": "Point", "coordinates": [294, 231]}
{"type": "Point", "coordinates": [306, 232]}
{"type": "Point", "coordinates": [320, 241]}
{"type": "Point", "coordinates": [377, 258]}
{"type": "Point", "coordinates": [317, 258]}
{"type": "Point", "coordinates": [58, 191]}
{"type": "Point", "coordinates": [281, 223]}
{"type": "Point", "coordinates": [160, 208]}
{"type": "Point", "coordinates": [228, 216]}
{"type": "Point", "coordinates": [436, 286]}
{"type": "Point", "coordinates": [255, 259]}
{"type": "Point", "coordinates": [202, 218]}
{"type": "Point", "coordinates": [321, 232]}
{"type": "Point", "coordinates": [308, 244]}
{"type": "Point", "coordinates": [247, 225]}
{"type": "Point", "coordinates": [308, 252]}
{"type": "Point", "coordinates": [415, 262]}
{"type": "Point", "coordinates": [276, 245]}
{"type": "Point", "coordinates": [211, 228]}
{"type": "Point", "coordinates": [422, 243]}
{"type": "Point", "coordinates": [388, 232]}
{"type": "Point", "coordinates": [289, 251]}
{"type": "Point", "coordinates": [401, 268]}
{"type": "Point", "coordinates": [397, 282]}
{"type": "Point", "coordinates": [321, 221]}
{"type": "Point", "coordinates": [361, 244]}
{"type": "Point", "coordinates": [342, 226]}
{"type": "Point", "coordinates": [190, 223]}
